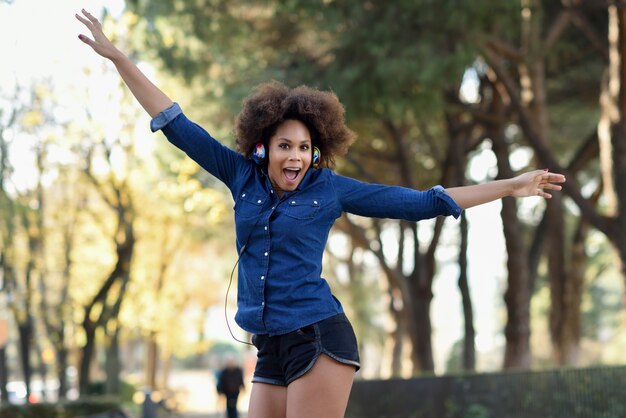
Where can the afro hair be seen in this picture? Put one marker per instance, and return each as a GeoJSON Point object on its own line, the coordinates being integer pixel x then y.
{"type": "Point", "coordinates": [272, 103]}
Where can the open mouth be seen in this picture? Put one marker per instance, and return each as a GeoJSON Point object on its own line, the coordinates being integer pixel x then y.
{"type": "Point", "coordinates": [291, 174]}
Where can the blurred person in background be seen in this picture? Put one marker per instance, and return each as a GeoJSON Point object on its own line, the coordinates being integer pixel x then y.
{"type": "Point", "coordinates": [230, 384]}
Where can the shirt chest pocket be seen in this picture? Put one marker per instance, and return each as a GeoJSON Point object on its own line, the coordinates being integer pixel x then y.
{"type": "Point", "coordinates": [248, 205]}
{"type": "Point", "coordinates": [302, 208]}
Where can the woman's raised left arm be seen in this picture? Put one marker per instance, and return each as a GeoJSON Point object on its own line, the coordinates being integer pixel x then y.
{"type": "Point", "coordinates": [532, 183]}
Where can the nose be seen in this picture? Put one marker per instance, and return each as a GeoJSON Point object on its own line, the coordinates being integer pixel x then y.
{"type": "Point", "coordinates": [295, 154]}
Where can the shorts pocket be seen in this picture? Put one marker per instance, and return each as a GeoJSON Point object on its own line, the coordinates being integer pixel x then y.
{"type": "Point", "coordinates": [307, 333]}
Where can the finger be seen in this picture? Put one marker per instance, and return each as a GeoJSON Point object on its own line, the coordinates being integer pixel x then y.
{"type": "Point", "coordinates": [91, 18]}
{"type": "Point", "coordinates": [552, 178]}
{"type": "Point", "coordinates": [554, 175]}
{"type": "Point", "coordinates": [544, 194]}
{"type": "Point", "coordinates": [86, 40]}
{"type": "Point", "coordinates": [84, 21]}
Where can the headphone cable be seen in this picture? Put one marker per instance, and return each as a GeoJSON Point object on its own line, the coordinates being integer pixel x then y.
{"type": "Point", "coordinates": [226, 298]}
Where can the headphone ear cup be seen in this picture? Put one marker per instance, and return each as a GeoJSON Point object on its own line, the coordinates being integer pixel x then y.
{"type": "Point", "coordinates": [316, 157]}
{"type": "Point", "coordinates": [258, 154]}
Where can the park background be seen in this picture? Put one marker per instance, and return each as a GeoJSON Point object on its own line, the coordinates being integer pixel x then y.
{"type": "Point", "coordinates": [116, 250]}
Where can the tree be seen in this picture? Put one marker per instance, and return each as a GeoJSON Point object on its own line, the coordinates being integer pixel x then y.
{"type": "Point", "coordinates": [544, 59]}
{"type": "Point", "coordinates": [397, 68]}
{"type": "Point", "coordinates": [378, 58]}
{"type": "Point", "coordinates": [7, 208]}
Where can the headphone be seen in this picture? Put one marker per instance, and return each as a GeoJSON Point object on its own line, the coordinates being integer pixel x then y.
{"type": "Point", "coordinates": [258, 155]}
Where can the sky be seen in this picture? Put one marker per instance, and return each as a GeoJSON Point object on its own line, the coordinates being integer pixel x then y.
{"type": "Point", "coordinates": [39, 40]}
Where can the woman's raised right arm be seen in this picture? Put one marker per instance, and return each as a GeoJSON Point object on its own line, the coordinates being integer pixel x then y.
{"type": "Point", "coordinates": [149, 96]}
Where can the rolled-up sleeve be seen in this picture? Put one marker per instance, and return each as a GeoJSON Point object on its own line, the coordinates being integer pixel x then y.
{"type": "Point", "coordinates": [162, 119]}
{"type": "Point", "coordinates": [453, 208]}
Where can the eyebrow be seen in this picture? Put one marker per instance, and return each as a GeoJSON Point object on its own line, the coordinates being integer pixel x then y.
{"type": "Point", "coordinates": [306, 141]}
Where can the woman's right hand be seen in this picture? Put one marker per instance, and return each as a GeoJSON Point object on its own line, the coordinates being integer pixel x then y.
{"type": "Point", "coordinates": [100, 43]}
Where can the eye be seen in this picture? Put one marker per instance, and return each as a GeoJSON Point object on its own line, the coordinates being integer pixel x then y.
{"type": "Point", "coordinates": [283, 146]}
{"type": "Point", "coordinates": [305, 147]}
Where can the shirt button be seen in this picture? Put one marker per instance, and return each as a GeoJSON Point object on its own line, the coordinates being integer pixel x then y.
{"type": "Point", "coordinates": [262, 277]}
{"type": "Point", "coordinates": [293, 202]}
{"type": "Point", "coordinates": [315, 202]}
{"type": "Point", "coordinates": [266, 254]}
{"type": "Point", "coordinates": [262, 303]}
{"type": "Point", "coordinates": [273, 207]}
{"type": "Point", "coordinates": [243, 195]}
{"type": "Point", "coordinates": [272, 191]}
{"type": "Point", "coordinates": [258, 201]}
{"type": "Point", "coordinates": [266, 228]}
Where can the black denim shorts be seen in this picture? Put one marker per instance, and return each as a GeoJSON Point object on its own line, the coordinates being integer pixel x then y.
{"type": "Point", "coordinates": [281, 359]}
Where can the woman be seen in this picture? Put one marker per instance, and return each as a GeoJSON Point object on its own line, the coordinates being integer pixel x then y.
{"type": "Point", "coordinates": [286, 200]}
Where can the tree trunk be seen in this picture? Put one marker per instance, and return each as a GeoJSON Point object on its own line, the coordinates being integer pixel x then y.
{"type": "Point", "coordinates": [61, 356]}
{"type": "Point", "coordinates": [87, 352]}
{"type": "Point", "coordinates": [557, 274]}
{"type": "Point", "coordinates": [8, 287]}
{"type": "Point", "coordinates": [25, 332]}
{"type": "Point", "coordinates": [422, 340]}
{"type": "Point", "coordinates": [457, 155]}
{"type": "Point", "coordinates": [570, 336]}
{"type": "Point", "coordinates": [152, 356]}
{"type": "Point", "coordinates": [120, 276]}
{"type": "Point", "coordinates": [166, 361]}
{"type": "Point", "coordinates": [517, 296]}
{"type": "Point", "coordinates": [40, 368]}
{"type": "Point", "coordinates": [397, 335]}
{"type": "Point", "coordinates": [469, 347]}
{"type": "Point", "coordinates": [112, 361]}
{"type": "Point", "coordinates": [618, 132]}
{"type": "Point", "coordinates": [4, 376]}
{"type": "Point", "coordinates": [420, 283]}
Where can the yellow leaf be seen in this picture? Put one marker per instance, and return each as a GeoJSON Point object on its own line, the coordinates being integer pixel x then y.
{"type": "Point", "coordinates": [32, 118]}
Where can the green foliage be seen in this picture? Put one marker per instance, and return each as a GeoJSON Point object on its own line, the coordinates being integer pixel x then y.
{"type": "Point", "coordinates": [390, 63]}
{"type": "Point", "coordinates": [603, 302]}
{"type": "Point", "coordinates": [382, 58]}
{"type": "Point", "coordinates": [127, 390]}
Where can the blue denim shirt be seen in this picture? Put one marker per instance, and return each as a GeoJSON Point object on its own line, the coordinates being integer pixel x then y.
{"type": "Point", "coordinates": [280, 288]}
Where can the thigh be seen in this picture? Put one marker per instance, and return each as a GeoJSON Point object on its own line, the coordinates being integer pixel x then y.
{"type": "Point", "coordinates": [267, 401]}
{"type": "Point", "coordinates": [322, 392]}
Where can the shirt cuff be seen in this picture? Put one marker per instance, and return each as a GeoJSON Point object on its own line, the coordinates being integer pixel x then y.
{"type": "Point", "coordinates": [162, 119]}
{"type": "Point", "coordinates": [453, 208]}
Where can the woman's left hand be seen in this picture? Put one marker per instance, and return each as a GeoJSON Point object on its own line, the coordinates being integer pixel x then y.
{"type": "Point", "coordinates": [534, 183]}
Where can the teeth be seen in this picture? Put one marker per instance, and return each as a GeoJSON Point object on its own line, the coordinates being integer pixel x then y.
{"type": "Point", "coordinates": [292, 173]}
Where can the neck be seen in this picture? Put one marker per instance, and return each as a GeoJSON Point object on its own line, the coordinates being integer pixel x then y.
{"type": "Point", "coordinates": [277, 189]}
